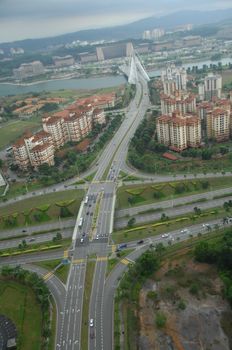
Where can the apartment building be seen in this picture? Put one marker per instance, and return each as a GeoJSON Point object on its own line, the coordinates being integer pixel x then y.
{"type": "Point", "coordinates": [179, 132]}
{"type": "Point", "coordinates": [27, 70]}
{"type": "Point", "coordinates": [34, 150]}
{"type": "Point", "coordinates": [179, 101]}
{"type": "Point", "coordinates": [72, 124]}
{"type": "Point", "coordinates": [64, 61]}
{"type": "Point", "coordinates": [211, 87]}
{"type": "Point", "coordinates": [173, 74]}
{"type": "Point", "coordinates": [218, 123]}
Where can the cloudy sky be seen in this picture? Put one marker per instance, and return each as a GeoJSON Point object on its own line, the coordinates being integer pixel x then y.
{"type": "Point", "coordinates": [21, 19]}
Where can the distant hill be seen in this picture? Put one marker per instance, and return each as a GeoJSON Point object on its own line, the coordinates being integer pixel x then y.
{"type": "Point", "coordinates": [132, 30]}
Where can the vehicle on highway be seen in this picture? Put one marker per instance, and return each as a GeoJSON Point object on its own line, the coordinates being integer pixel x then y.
{"type": "Point", "coordinates": [86, 200]}
{"type": "Point", "coordinates": [91, 322]}
{"type": "Point", "coordinates": [165, 235]}
{"type": "Point", "coordinates": [97, 236]}
{"type": "Point", "coordinates": [140, 242]}
{"type": "Point", "coordinates": [122, 246]}
{"type": "Point", "coordinates": [24, 230]}
{"type": "Point", "coordinates": [206, 225]}
{"type": "Point", "coordinates": [87, 213]}
{"type": "Point", "coordinates": [80, 222]}
{"type": "Point", "coordinates": [31, 239]}
{"type": "Point", "coordinates": [185, 230]}
{"type": "Point", "coordinates": [82, 240]}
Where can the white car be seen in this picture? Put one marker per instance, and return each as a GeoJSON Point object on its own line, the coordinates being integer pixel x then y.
{"type": "Point", "coordinates": [91, 322]}
{"type": "Point", "coordinates": [184, 230]}
{"type": "Point", "coordinates": [82, 240]}
{"type": "Point", "coordinates": [165, 235]}
{"type": "Point", "coordinates": [97, 236]}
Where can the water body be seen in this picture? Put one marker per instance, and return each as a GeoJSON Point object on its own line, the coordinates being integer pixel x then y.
{"type": "Point", "coordinates": [88, 83]}
{"type": "Point", "coordinates": [62, 84]}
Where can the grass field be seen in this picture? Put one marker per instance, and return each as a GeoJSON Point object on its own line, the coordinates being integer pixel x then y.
{"type": "Point", "coordinates": [26, 209]}
{"type": "Point", "coordinates": [158, 227]}
{"type": "Point", "coordinates": [12, 130]}
{"type": "Point", "coordinates": [18, 302]}
{"type": "Point", "coordinates": [135, 195]}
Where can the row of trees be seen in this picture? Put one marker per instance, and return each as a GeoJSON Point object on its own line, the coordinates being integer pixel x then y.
{"type": "Point", "coordinates": [41, 291]}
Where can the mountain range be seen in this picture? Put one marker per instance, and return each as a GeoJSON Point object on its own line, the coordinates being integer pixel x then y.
{"type": "Point", "coordinates": [132, 30]}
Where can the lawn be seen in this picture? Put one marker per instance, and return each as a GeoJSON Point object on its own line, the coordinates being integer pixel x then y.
{"type": "Point", "coordinates": [33, 211]}
{"type": "Point", "coordinates": [61, 272]}
{"type": "Point", "coordinates": [158, 227]}
{"type": "Point", "coordinates": [13, 130]}
{"type": "Point", "coordinates": [18, 302]}
{"type": "Point", "coordinates": [135, 195]}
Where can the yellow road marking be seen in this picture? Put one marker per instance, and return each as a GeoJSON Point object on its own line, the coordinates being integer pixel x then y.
{"type": "Point", "coordinates": [65, 254]}
{"type": "Point", "coordinates": [47, 276]}
{"type": "Point", "coordinates": [102, 258]}
{"type": "Point", "coordinates": [78, 261]}
{"type": "Point", "coordinates": [127, 261]}
{"type": "Point", "coordinates": [113, 247]}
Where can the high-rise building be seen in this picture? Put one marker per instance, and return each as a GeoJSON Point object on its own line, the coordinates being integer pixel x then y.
{"type": "Point", "coordinates": [174, 78]}
{"type": "Point", "coordinates": [179, 132]}
{"type": "Point", "coordinates": [27, 70]}
{"type": "Point", "coordinates": [218, 124]}
{"type": "Point", "coordinates": [211, 87]}
{"type": "Point", "coordinates": [182, 102]}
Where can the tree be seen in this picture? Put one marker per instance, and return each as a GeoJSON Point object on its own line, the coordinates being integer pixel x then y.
{"type": "Point", "coordinates": [160, 319]}
{"type": "Point", "coordinates": [131, 222]}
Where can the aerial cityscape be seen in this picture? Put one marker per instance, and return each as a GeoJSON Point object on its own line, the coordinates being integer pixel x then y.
{"type": "Point", "coordinates": [116, 175]}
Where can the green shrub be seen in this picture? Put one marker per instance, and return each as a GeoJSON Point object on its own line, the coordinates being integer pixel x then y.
{"type": "Point", "coordinates": [160, 319]}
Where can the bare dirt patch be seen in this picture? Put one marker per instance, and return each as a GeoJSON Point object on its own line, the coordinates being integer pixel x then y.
{"type": "Point", "coordinates": [188, 296]}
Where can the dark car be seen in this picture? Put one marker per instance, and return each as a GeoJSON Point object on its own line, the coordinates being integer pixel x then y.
{"type": "Point", "coordinates": [140, 242]}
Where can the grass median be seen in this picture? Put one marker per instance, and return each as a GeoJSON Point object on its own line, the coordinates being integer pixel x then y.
{"type": "Point", "coordinates": [135, 195]}
{"type": "Point", "coordinates": [161, 226]}
{"type": "Point", "coordinates": [86, 300]}
{"type": "Point", "coordinates": [42, 208]}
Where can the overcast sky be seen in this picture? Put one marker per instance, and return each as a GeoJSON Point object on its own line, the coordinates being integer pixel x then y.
{"type": "Point", "coordinates": [21, 19]}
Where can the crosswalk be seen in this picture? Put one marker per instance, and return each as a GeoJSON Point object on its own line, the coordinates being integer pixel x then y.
{"type": "Point", "coordinates": [127, 261]}
{"type": "Point", "coordinates": [78, 261]}
{"type": "Point", "coordinates": [47, 276]}
{"type": "Point", "coordinates": [102, 258]}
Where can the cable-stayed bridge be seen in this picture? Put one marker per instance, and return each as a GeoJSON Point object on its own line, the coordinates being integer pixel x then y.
{"type": "Point", "coordinates": [134, 69]}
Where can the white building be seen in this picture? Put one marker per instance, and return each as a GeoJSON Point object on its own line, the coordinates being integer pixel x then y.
{"type": "Point", "coordinates": [212, 87]}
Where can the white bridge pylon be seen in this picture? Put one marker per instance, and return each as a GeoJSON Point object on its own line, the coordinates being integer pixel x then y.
{"type": "Point", "coordinates": [135, 68]}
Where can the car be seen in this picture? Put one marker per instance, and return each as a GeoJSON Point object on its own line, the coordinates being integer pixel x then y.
{"type": "Point", "coordinates": [140, 242]}
{"type": "Point", "coordinates": [206, 225]}
{"type": "Point", "coordinates": [31, 239]}
{"type": "Point", "coordinates": [82, 240]}
{"type": "Point", "coordinates": [165, 235]}
{"type": "Point", "coordinates": [184, 230]}
{"type": "Point", "coordinates": [24, 230]}
{"type": "Point", "coordinates": [121, 246]}
{"type": "Point", "coordinates": [83, 234]}
{"type": "Point", "coordinates": [87, 213]}
{"type": "Point", "coordinates": [91, 322]}
{"type": "Point", "coordinates": [97, 236]}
